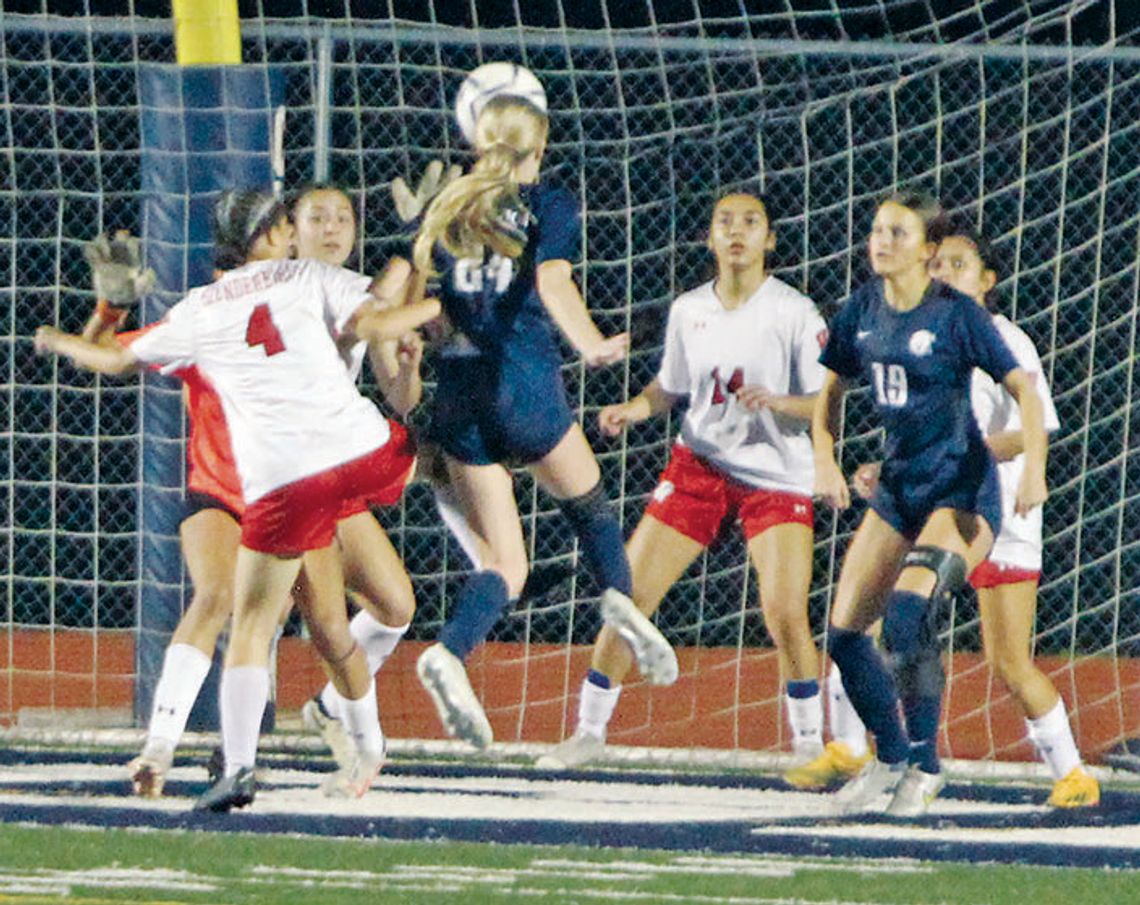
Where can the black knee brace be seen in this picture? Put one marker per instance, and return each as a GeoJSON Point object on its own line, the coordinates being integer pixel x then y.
{"type": "Point", "coordinates": [948, 567]}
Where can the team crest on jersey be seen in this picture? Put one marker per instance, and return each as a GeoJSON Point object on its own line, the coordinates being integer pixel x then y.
{"type": "Point", "coordinates": [921, 342]}
{"type": "Point", "coordinates": [821, 338]}
{"type": "Point", "coordinates": [663, 491]}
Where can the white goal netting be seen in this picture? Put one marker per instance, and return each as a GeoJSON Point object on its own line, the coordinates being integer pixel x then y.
{"type": "Point", "coordinates": [1023, 116]}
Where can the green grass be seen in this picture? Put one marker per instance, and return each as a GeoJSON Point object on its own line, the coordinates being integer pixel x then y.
{"type": "Point", "coordinates": [90, 867]}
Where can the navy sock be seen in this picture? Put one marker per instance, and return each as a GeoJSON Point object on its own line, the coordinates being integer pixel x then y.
{"type": "Point", "coordinates": [872, 691]}
{"type": "Point", "coordinates": [600, 539]}
{"type": "Point", "coordinates": [802, 688]}
{"type": "Point", "coordinates": [922, 715]}
{"type": "Point", "coordinates": [904, 621]}
{"type": "Point", "coordinates": [481, 604]}
{"type": "Point", "coordinates": [598, 678]}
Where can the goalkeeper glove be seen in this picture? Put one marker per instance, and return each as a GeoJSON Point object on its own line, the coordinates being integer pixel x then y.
{"type": "Point", "coordinates": [117, 274]}
{"type": "Point", "coordinates": [409, 204]}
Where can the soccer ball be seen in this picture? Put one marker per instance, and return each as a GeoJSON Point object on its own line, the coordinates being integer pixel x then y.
{"type": "Point", "coordinates": [488, 81]}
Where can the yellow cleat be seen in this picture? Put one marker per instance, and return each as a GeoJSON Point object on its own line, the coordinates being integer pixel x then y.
{"type": "Point", "coordinates": [1077, 789]}
{"type": "Point", "coordinates": [835, 764]}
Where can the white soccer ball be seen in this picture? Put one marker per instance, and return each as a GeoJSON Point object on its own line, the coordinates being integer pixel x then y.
{"type": "Point", "coordinates": [488, 81]}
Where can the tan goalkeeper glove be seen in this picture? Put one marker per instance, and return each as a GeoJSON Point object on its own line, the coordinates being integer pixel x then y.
{"type": "Point", "coordinates": [409, 204]}
{"type": "Point", "coordinates": [117, 274]}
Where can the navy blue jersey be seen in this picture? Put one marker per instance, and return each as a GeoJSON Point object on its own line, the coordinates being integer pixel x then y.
{"type": "Point", "coordinates": [500, 395]}
{"type": "Point", "coordinates": [918, 364]}
{"type": "Point", "coordinates": [493, 301]}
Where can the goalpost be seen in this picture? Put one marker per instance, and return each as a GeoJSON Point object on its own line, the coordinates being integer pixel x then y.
{"type": "Point", "coordinates": [1022, 116]}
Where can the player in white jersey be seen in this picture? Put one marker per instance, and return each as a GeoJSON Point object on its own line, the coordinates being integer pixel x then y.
{"type": "Point", "coordinates": [743, 349]}
{"type": "Point", "coordinates": [306, 444]}
{"type": "Point", "coordinates": [1006, 583]}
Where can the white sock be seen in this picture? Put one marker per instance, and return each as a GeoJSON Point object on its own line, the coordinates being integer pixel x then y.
{"type": "Point", "coordinates": [843, 722]}
{"type": "Point", "coordinates": [362, 723]}
{"type": "Point", "coordinates": [595, 708]}
{"type": "Point", "coordinates": [244, 693]}
{"type": "Point", "coordinates": [184, 669]}
{"type": "Point", "coordinates": [805, 718]}
{"type": "Point", "coordinates": [377, 640]}
{"type": "Point", "coordinates": [331, 701]}
{"type": "Point", "coordinates": [1053, 738]}
{"type": "Point", "coordinates": [447, 503]}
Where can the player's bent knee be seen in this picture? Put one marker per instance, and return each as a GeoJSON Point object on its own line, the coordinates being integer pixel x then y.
{"type": "Point", "coordinates": [582, 510]}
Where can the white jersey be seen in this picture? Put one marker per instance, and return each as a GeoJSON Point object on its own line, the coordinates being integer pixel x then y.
{"type": "Point", "coordinates": [773, 340]}
{"type": "Point", "coordinates": [264, 336]}
{"type": "Point", "coordinates": [1019, 541]}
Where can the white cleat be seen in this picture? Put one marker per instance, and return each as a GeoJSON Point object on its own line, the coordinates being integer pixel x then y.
{"type": "Point", "coordinates": [872, 783]}
{"type": "Point", "coordinates": [445, 679]}
{"type": "Point", "coordinates": [579, 749]}
{"type": "Point", "coordinates": [916, 790]}
{"type": "Point", "coordinates": [148, 770]}
{"type": "Point", "coordinates": [315, 718]}
{"type": "Point", "coordinates": [353, 781]}
{"type": "Point", "coordinates": [655, 656]}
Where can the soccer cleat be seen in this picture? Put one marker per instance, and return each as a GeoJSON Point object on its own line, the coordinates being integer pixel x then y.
{"type": "Point", "coordinates": [834, 764]}
{"type": "Point", "coordinates": [445, 679]}
{"type": "Point", "coordinates": [316, 718]}
{"type": "Point", "coordinates": [1077, 789]}
{"type": "Point", "coordinates": [916, 790]}
{"type": "Point", "coordinates": [230, 792]}
{"type": "Point", "coordinates": [357, 778]}
{"type": "Point", "coordinates": [655, 656]}
{"type": "Point", "coordinates": [148, 770]}
{"type": "Point", "coordinates": [874, 781]}
{"type": "Point", "coordinates": [580, 748]}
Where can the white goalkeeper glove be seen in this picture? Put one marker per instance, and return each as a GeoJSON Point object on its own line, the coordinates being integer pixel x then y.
{"type": "Point", "coordinates": [117, 274]}
{"type": "Point", "coordinates": [435, 178]}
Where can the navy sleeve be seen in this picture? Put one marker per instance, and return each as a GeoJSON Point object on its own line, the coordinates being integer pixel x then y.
{"type": "Point", "coordinates": [559, 226]}
{"type": "Point", "coordinates": [840, 354]}
{"type": "Point", "coordinates": [982, 344]}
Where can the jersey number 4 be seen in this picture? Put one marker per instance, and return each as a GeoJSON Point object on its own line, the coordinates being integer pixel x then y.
{"type": "Point", "coordinates": [261, 331]}
{"type": "Point", "coordinates": [735, 382]}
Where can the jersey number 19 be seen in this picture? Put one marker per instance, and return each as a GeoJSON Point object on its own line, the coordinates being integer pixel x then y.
{"type": "Point", "coordinates": [890, 384]}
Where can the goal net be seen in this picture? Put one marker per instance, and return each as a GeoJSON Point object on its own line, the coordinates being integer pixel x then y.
{"type": "Point", "coordinates": [1022, 116]}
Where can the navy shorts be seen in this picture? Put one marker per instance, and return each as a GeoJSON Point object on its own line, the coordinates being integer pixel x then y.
{"type": "Point", "coordinates": [485, 414]}
{"type": "Point", "coordinates": [906, 507]}
{"type": "Point", "coordinates": [194, 502]}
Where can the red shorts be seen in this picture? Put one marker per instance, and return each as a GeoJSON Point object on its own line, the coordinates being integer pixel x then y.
{"type": "Point", "coordinates": [694, 498]}
{"type": "Point", "coordinates": [303, 515]}
{"type": "Point", "coordinates": [992, 574]}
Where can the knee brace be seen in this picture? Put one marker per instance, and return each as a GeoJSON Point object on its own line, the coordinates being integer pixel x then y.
{"type": "Point", "coordinates": [948, 567]}
{"type": "Point", "coordinates": [580, 511]}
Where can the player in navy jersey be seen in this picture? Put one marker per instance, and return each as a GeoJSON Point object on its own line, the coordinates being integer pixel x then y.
{"type": "Point", "coordinates": [937, 508]}
{"type": "Point", "coordinates": [503, 243]}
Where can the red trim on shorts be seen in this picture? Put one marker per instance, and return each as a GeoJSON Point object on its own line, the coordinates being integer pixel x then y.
{"type": "Point", "coordinates": [694, 497]}
{"type": "Point", "coordinates": [302, 515]}
{"type": "Point", "coordinates": [992, 574]}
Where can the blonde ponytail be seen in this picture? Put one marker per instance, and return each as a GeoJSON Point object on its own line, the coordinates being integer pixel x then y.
{"type": "Point", "coordinates": [464, 217]}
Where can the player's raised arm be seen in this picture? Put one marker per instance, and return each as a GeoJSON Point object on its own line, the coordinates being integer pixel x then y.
{"type": "Point", "coordinates": [102, 358]}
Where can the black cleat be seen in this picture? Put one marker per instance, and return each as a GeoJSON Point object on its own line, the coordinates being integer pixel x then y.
{"type": "Point", "coordinates": [230, 792]}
